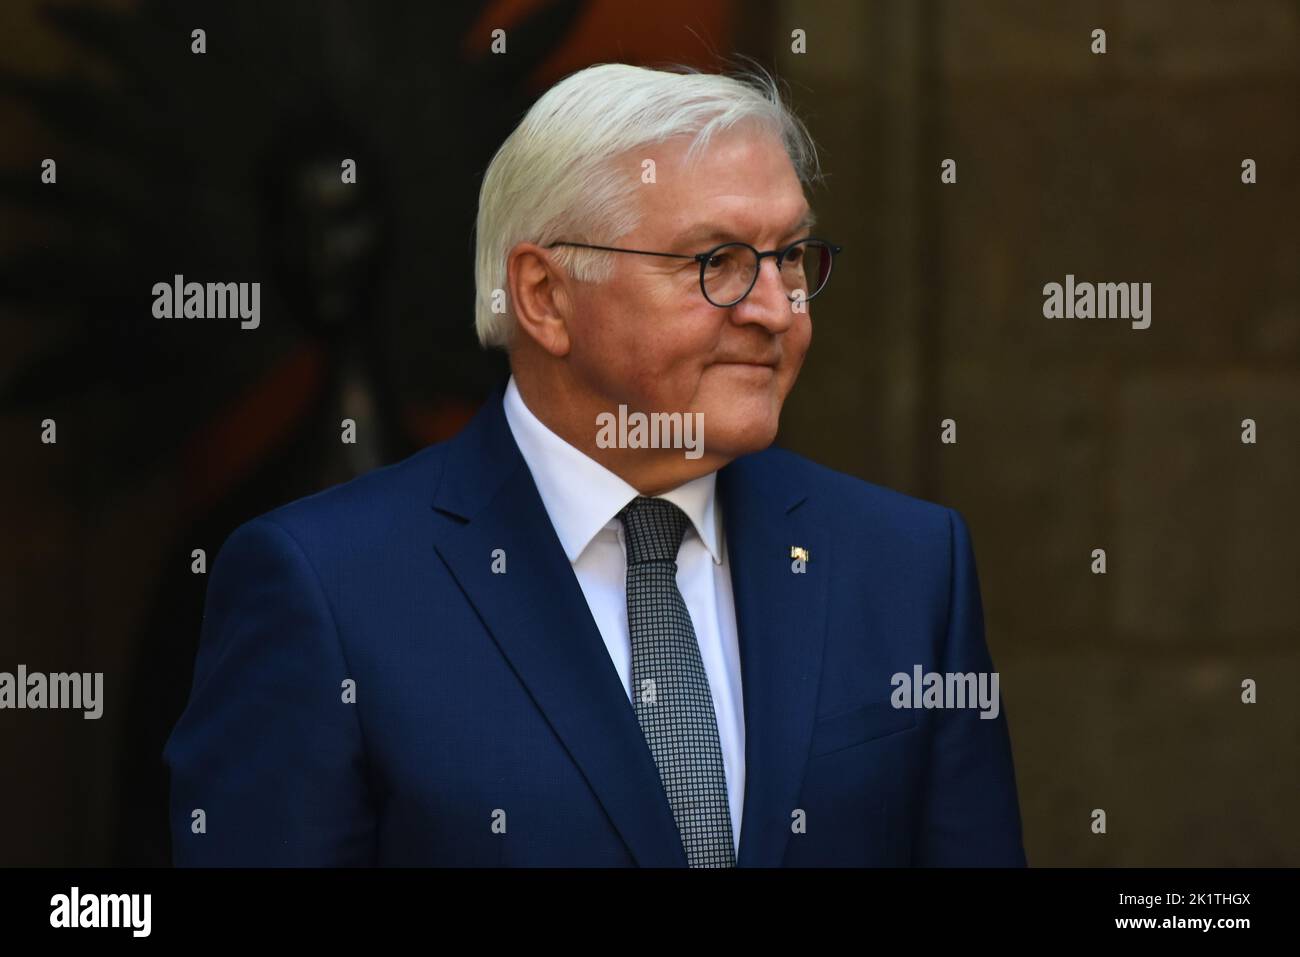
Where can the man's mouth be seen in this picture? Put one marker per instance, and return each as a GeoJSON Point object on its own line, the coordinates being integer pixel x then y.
{"type": "Point", "coordinates": [763, 363]}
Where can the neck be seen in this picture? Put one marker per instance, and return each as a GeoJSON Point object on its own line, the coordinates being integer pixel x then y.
{"type": "Point", "coordinates": [574, 418]}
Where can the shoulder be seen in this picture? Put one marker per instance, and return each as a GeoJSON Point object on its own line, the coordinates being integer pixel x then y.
{"type": "Point", "coordinates": [869, 523]}
{"type": "Point", "coordinates": [895, 543]}
{"type": "Point", "coordinates": [360, 512]}
{"type": "Point", "coordinates": [852, 499]}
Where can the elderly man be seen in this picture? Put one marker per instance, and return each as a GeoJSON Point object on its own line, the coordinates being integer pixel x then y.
{"type": "Point", "coordinates": [554, 642]}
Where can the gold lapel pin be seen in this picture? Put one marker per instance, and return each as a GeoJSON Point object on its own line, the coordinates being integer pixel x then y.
{"type": "Point", "coordinates": [798, 551]}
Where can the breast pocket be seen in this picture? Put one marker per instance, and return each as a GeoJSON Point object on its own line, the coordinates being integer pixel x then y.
{"type": "Point", "coordinates": [858, 726]}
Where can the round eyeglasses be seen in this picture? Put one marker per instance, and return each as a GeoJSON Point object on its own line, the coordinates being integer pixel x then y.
{"type": "Point", "coordinates": [729, 271]}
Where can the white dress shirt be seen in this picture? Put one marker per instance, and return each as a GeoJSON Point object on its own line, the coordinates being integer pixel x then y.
{"type": "Point", "coordinates": [583, 499]}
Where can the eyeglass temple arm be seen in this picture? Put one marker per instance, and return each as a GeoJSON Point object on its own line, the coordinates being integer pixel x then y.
{"type": "Point", "coordinates": [835, 250]}
{"type": "Point", "coordinates": [616, 249]}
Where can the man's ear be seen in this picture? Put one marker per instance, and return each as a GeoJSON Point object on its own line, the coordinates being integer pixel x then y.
{"type": "Point", "coordinates": [539, 294]}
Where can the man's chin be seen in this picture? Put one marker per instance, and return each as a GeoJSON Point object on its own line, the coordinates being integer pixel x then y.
{"type": "Point", "coordinates": [730, 441]}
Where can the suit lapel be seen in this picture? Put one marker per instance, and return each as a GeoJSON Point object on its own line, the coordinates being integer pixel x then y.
{"type": "Point", "coordinates": [781, 623]}
{"type": "Point", "coordinates": [538, 617]}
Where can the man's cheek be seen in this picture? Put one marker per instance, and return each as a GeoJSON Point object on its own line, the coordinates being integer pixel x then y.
{"type": "Point", "coordinates": [804, 333]}
{"type": "Point", "coordinates": [799, 352]}
{"type": "Point", "coordinates": [793, 365]}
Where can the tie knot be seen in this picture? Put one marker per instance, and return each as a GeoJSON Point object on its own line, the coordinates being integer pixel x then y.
{"type": "Point", "coordinates": [653, 529]}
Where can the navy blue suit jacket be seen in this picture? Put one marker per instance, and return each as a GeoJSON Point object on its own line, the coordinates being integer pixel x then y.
{"type": "Point", "coordinates": [485, 700]}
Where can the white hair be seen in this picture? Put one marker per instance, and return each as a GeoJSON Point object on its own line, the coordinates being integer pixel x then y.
{"type": "Point", "coordinates": [554, 176]}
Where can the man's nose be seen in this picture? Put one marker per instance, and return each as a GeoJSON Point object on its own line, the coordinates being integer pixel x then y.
{"type": "Point", "coordinates": [768, 303]}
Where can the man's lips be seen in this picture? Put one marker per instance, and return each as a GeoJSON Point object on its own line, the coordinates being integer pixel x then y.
{"type": "Point", "coordinates": [766, 363]}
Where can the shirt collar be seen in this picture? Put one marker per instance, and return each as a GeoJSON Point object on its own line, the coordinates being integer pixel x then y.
{"type": "Point", "coordinates": [581, 496]}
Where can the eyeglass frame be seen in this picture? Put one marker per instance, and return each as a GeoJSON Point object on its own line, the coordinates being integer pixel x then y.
{"type": "Point", "coordinates": [704, 257]}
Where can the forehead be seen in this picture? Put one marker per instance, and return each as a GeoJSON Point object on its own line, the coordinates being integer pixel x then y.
{"type": "Point", "coordinates": [741, 184]}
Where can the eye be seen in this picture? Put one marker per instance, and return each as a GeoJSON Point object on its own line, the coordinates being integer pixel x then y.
{"type": "Point", "coordinates": [722, 259]}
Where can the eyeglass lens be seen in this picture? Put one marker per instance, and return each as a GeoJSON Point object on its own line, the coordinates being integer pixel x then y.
{"type": "Point", "coordinates": [730, 271]}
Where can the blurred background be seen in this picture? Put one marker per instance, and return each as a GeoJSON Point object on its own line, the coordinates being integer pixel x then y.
{"type": "Point", "coordinates": [1123, 690]}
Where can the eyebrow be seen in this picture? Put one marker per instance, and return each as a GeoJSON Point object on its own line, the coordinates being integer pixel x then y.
{"type": "Point", "coordinates": [707, 233]}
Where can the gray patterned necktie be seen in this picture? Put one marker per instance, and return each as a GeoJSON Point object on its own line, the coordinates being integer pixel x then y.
{"type": "Point", "coordinates": [670, 687]}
